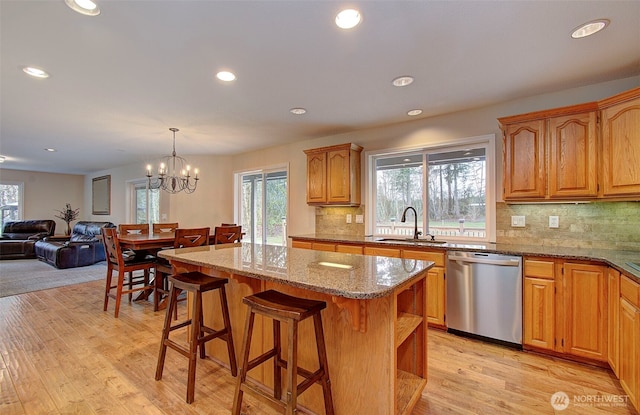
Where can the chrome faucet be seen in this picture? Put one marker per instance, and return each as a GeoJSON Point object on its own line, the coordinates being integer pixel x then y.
{"type": "Point", "coordinates": [416, 233]}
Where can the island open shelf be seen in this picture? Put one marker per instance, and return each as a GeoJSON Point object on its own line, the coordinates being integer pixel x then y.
{"type": "Point", "coordinates": [375, 324]}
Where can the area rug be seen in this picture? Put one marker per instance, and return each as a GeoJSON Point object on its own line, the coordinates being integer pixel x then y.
{"type": "Point", "coordinates": [19, 276]}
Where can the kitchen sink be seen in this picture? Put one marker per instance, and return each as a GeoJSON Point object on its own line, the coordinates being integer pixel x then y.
{"type": "Point", "coordinates": [412, 240]}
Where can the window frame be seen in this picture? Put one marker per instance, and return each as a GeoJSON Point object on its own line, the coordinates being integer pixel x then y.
{"type": "Point", "coordinates": [132, 216]}
{"type": "Point", "coordinates": [237, 196]}
{"type": "Point", "coordinates": [20, 209]}
{"type": "Point", "coordinates": [487, 141]}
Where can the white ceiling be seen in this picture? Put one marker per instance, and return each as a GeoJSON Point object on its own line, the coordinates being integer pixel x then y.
{"type": "Point", "coordinates": [121, 79]}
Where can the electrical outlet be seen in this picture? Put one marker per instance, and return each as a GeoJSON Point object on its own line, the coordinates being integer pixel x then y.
{"type": "Point", "coordinates": [518, 222]}
{"type": "Point", "coordinates": [554, 221]}
{"type": "Point", "coordinates": [359, 218]}
{"type": "Point", "coordinates": [348, 217]}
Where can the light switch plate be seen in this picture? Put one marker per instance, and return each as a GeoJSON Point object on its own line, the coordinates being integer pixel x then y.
{"type": "Point", "coordinates": [518, 222]}
{"type": "Point", "coordinates": [359, 218]}
{"type": "Point", "coordinates": [348, 217]}
{"type": "Point", "coordinates": [554, 221]}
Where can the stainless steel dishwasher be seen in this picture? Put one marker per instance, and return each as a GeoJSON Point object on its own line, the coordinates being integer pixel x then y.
{"type": "Point", "coordinates": [484, 296]}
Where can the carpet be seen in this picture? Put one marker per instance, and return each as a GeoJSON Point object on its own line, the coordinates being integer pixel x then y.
{"type": "Point", "coordinates": [18, 276]}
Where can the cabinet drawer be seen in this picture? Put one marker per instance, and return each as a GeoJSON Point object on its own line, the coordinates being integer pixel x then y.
{"type": "Point", "coordinates": [301, 244]}
{"type": "Point", "coordinates": [390, 252]}
{"type": "Point", "coordinates": [630, 290]}
{"type": "Point", "coordinates": [322, 246]}
{"type": "Point", "coordinates": [538, 268]}
{"type": "Point", "coordinates": [436, 257]}
{"type": "Point", "coordinates": [349, 249]}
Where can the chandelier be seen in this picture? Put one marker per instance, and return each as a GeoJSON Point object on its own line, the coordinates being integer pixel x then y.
{"type": "Point", "coordinates": [174, 174]}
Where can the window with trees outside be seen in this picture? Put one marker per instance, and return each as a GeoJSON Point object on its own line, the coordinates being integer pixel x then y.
{"type": "Point", "coordinates": [145, 203]}
{"type": "Point", "coordinates": [10, 202]}
{"type": "Point", "coordinates": [449, 187]}
{"type": "Point", "coordinates": [261, 206]}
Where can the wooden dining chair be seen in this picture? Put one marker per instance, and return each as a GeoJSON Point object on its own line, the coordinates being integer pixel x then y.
{"type": "Point", "coordinates": [125, 266]}
{"type": "Point", "coordinates": [132, 228]}
{"type": "Point", "coordinates": [165, 227]}
{"type": "Point", "coordinates": [227, 234]}
{"type": "Point", "coordinates": [184, 238]}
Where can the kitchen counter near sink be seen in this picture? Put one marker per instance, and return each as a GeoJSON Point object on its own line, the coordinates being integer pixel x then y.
{"type": "Point", "coordinates": [617, 259]}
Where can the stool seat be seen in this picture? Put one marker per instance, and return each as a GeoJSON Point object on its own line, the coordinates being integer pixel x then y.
{"type": "Point", "coordinates": [196, 283]}
{"type": "Point", "coordinates": [275, 303]}
{"type": "Point", "coordinates": [291, 310]}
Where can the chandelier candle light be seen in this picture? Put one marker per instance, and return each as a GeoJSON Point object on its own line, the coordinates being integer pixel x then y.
{"type": "Point", "coordinates": [174, 174]}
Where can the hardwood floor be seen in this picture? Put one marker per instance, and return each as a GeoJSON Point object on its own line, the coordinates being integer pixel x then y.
{"type": "Point", "coordinates": [61, 354]}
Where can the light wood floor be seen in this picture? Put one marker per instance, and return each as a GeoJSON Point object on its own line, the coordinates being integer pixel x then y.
{"type": "Point", "coordinates": [61, 354]}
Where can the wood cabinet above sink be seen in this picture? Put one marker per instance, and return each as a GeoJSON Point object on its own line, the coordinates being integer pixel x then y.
{"type": "Point", "coordinates": [333, 175]}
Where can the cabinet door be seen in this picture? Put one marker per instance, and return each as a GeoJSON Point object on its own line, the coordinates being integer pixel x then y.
{"type": "Point", "coordinates": [585, 312]}
{"type": "Point", "coordinates": [572, 156]}
{"type": "Point", "coordinates": [629, 363]}
{"type": "Point", "coordinates": [613, 301]}
{"type": "Point", "coordinates": [316, 177]}
{"type": "Point", "coordinates": [338, 176]}
{"type": "Point", "coordinates": [621, 149]}
{"type": "Point", "coordinates": [524, 160]}
{"type": "Point", "coordinates": [539, 312]}
{"type": "Point", "coordinates": [436, 296]}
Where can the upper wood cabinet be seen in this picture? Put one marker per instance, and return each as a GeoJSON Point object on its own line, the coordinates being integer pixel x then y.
{"type": "Point", "coordinates": [333, 175]}
{"type": "Point", "coordinates": [524, 160]}
{"type": "Point", "coordinates": [621, 144]}
{"type": "Point", "coordinates": [551, 154]}
{"type": "Point", "coordinates": [579, 152]}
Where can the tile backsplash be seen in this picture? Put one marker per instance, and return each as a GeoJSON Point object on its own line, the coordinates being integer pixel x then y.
{"type": "Point", "coordinates": [600, 225]}
{"type": "Point", "coordinates": [333, 220]}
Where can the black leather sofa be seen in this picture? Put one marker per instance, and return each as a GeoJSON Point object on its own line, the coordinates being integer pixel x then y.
{"type": "Point", "coordinates": [19, 237]}
{"type": "Point", "coordinates": [84, 247]}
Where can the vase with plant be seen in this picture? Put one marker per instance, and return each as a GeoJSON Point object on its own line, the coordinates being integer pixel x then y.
{"type": "Point", "coordinates": [68, 214]}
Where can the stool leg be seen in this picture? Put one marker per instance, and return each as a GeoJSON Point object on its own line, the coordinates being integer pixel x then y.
{"type": "Point", "coordinates": [119, 292]}
{"type": "Point", "coordinates": [173, 295]}
{"type": "Point", "coordinates": [193, 345]}
{"type": "Point", "coordinates": [244, 364]}
{"type": "Point", "coordinates": [227, 327]}
{"type": "Point", "coordinates": [292, 369]}
{"type": "Point", "coordinates": [107, 289]}
{"type": "Point", "coordinates": [277, 368]}
{"type": "Point", "coordinates": [324, 366]}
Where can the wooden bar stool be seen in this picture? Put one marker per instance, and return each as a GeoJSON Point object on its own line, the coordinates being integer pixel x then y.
{"type": "Point", "coordinates": [196, 283]}
{"type": "Point", "coordinates": [291, 310]}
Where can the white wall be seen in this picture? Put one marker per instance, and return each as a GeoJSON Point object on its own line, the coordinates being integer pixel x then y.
{"type": "Point", "coordinates": [47, 193]}
{"type": "Point", "coordinates": [212, 203]}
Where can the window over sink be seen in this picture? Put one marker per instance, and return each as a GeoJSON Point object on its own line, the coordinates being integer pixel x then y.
{"type": "Point", "coordinates": [450, 186]}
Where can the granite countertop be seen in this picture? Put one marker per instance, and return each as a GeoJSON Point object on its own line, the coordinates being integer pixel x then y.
{"type": "Point", "coordinates": [615, 258]}
{"type": "Point", "coordinates": [344, 275]}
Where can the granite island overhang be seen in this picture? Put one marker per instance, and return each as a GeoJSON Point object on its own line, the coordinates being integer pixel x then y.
{"type": "Point", "coordinates": [375, 320]}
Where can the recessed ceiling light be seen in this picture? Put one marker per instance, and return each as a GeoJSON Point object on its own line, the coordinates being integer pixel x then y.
{"type": "Point", "coordinates": [86, 7]}
{"type": "Point", "coordinates": [402, 81]}
{"type": "Point", "coordinates": [298, 111]}
{"type": "Point", "coordinates": [35, 72]}
{"type": "Point", "coordinates": [348, 19]}
{"type": "Point", "coordinates": [226, 76]}
{"type": "Point", "coordinates": [50, 150]}
{"type": "Point", "coordinates": [415, 112]}
{"type": "Point", "coordinates": [589, 28]}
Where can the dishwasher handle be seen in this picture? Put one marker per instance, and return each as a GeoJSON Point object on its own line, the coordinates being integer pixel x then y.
{"type": "Point", "coordinates": [512, 262]}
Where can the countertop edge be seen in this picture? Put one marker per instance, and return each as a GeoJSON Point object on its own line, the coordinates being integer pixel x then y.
{"type": "Point", "coordinates": [614, 258]}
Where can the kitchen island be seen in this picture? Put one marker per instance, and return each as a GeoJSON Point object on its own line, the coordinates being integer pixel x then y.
{"type": "Point", "coordinates": [375, 321]}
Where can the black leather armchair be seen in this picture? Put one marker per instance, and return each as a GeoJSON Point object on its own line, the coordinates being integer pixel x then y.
{"type": "Point", "coordinates": [19, 237]}
{"type": "Point", "coordinates": [83, 248]}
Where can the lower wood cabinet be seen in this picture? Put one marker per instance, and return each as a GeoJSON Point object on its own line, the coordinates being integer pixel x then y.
{"type": "Point", "coordinates": [629, 337]}
{"type": "Point", "coordinates": [613, 309]}
{"type": "Point", "coordinates": [436, 287]}
{"type": "Point", "coordinates": [565, 307]}
{"type": "Point", "coordinates": [585, 310]}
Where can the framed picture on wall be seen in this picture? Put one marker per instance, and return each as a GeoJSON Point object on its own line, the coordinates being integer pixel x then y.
{"type": "Point", "coordinates": [101, 195]}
